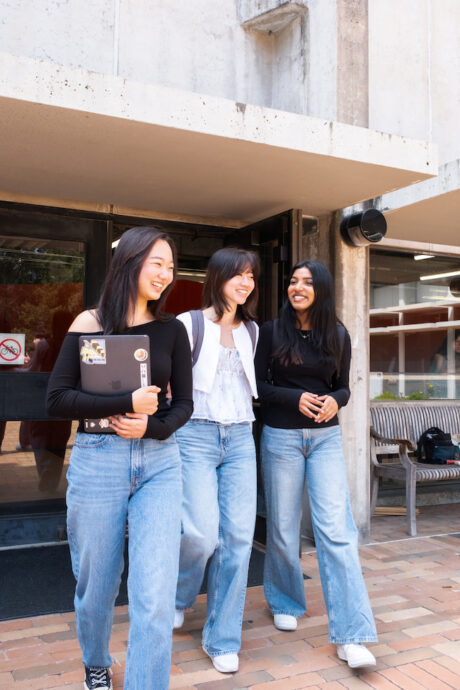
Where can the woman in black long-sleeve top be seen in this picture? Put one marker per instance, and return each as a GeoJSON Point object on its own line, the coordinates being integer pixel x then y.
{"type": "Point", "coordinates": [131, 475]}
{"type": "Point", "coordinates": [302, 369]}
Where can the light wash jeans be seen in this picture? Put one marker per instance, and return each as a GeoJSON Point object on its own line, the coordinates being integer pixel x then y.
{"type": "Point", "coordinates": [288, 457]}
{"type": "Point", "coordinates": [218, 516]}
{"type": "Point", "coordinates": [111, 480]}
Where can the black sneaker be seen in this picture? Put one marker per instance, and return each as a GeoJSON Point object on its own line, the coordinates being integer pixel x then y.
{"type": "Point", "coordinates": [97, 679]}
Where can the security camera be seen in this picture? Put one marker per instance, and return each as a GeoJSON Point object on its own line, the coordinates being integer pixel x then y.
{"type": "Point", "coordinates": [361, 229]}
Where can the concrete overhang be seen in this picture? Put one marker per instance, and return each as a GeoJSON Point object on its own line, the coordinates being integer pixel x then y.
{"type": "Point", "coordinates": [428, 211]}
{"type": "Point", "coordinates": [84, 138]}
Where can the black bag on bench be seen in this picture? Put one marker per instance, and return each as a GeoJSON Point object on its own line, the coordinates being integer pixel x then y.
{"type": "Point", "coordinates": [435, 446]}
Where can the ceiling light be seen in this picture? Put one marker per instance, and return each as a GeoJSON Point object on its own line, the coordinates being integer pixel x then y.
{"type": "Point", "coordinates": [435, 276]}
{"type": "Point", "coordinates": [421, 257]}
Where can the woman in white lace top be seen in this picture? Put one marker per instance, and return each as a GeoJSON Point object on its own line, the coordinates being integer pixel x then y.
{"type": "Point", "coordinates": [218, 454]}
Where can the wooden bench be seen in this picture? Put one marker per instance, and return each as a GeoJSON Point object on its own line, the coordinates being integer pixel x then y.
{"type": "Point", "coordinates": [395, 429]}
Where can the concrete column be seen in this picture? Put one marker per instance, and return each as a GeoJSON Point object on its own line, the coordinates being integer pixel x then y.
{"type": "Point", "coordinates": [353, 62]}
{"type": "Point", "coordinates": [351, 275]}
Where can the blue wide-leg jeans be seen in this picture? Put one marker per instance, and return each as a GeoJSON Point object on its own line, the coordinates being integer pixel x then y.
{"type": "Point", "coordinates": [218, 517]}
{"type": "Point", "coordinates": [289, 457]}
{"type": "Point", "coordinates": [113, 480]}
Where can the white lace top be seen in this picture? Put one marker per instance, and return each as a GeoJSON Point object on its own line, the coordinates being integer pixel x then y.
{"type": "Point", "coordinates": [230, 400]}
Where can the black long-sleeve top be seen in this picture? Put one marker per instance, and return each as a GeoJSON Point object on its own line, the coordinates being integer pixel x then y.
{"type": "Point", "coordinates": [280, 399]}
{"type": "Point", "coordinates": [170, 361]}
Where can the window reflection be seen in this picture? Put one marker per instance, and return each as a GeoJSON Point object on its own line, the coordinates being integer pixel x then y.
{"type": "Point", "coordinates": [414, 325]}
{"type": "Point", "coordinates": [41, 291]}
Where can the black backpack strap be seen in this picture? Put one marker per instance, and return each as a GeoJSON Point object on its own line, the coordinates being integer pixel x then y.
{"type": "Point", "coordinates": [197, 333]}
{"type": "Point", "coordinates": [252, 330]}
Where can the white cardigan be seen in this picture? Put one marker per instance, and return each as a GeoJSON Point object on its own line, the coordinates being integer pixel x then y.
{"type": "Point", "coordinates": [204, 371]}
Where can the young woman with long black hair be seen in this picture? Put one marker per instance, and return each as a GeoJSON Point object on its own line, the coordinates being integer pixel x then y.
{"type": "Point", "coordinates": [302, 370]}
{"type": "Point", "coordinates": [218, 455]}
{"type": "Point", "coordinates": [132, 475]}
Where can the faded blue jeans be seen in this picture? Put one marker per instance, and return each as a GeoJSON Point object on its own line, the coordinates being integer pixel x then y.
{"type": "Point", "coordinates": [112, 480]}
{"type": "Point", "coordinates": [289, 456]}
{"type": "Point", "coordinates": [218, 516]}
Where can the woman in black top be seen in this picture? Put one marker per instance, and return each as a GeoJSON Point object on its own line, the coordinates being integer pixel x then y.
{"type": "Point", "coordinates": [131, 475]}
{"type": "Point", "coordinates": [302, 368]}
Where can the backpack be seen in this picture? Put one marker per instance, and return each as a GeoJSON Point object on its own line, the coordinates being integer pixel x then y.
{"type": "Point", "coordinates": [198, 333]}
{"type": "Point", "coordinates": [435, 446]}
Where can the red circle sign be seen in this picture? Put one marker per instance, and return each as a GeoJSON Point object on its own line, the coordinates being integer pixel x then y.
{"type": "Point", "coordinates": [10, 350]}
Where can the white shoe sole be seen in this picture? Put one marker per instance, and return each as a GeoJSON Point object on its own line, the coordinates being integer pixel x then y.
{"type": "Point", "coordinates": [355, 665]}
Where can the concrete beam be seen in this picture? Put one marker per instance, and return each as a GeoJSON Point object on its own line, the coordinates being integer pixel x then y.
{"type": "Point", "coordinates": [89, 137]}
{"type": "Point", "coordinates": [427, 211]}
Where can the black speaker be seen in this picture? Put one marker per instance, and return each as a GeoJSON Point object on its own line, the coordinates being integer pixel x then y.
{"type": "Point", "coordinates": [361, 229]}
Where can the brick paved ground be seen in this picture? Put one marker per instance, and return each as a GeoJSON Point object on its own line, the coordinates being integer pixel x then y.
{"type": "Point", "coordinates": [414, 586]}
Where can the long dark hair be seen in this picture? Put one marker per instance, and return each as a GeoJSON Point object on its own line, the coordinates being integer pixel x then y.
{"type": "Point", "coordinates": [222, 266]}
{"type": "Point", "coordinates": [119, 293]}
{"type": "Point", "coordinates": [322, 316]}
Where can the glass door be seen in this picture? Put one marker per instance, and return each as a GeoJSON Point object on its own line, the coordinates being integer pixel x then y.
{"type": "Point", "coordinates": [51, 267]}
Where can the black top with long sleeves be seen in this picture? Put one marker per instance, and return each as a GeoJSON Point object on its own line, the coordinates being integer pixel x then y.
{"type": "Point", "coordinates": [170, 362]}
{"type": "Point", "coordinates": [280, 399]}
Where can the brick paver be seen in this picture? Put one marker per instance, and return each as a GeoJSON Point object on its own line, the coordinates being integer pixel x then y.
{"type": "Point", "coordinates": [414, 585]}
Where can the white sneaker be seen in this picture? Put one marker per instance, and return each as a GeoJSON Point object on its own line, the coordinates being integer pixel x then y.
{"type": "Point", "coordinates": [355, 655]}
{"type": "Point", "coordinates": [283, 621]}
{"type": "Point", "coordinates": [225, 663]}
{"type": "Point", "coordinates": [178, 619]}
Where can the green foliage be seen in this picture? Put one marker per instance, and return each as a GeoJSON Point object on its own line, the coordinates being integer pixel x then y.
{"type": "Point", "coordinates": [416, 395]}
{"type": "Point", "coordinates": [386, 396]}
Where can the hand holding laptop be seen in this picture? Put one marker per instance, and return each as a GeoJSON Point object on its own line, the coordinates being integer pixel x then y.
{"type": "Point", "coordinates": [129, 425]}
{"type": "Point", "coordinates": [145, 400]}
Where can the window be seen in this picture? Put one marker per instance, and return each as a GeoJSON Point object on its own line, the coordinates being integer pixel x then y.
{"type": "Point", "coordinates": [41, 292]}
{"type": "Point", "coordinates": [414, 325]}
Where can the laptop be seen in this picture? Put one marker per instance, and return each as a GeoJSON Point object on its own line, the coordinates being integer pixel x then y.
{"type": "Point", "coordinates": [112, 364]}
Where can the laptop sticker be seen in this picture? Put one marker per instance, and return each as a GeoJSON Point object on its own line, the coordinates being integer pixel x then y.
{"type": "Point", "coordinates": [93, 351]}
{"type": "Point", "coordinates": [141, 355]}
{"type": "Point", "coordinates": [144, 376]}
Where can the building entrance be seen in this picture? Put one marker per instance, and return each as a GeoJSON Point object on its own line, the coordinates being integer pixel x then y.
{"type": "Point", "coordinates": [52, 265]}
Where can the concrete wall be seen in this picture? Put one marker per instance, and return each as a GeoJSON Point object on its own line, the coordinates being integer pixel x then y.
{"type": "Point", "coordinates": [414, 63]}
{"type": "Point", "coordinates": [199, 46]}
{"type": "Point", "coordinates": [391, 65]}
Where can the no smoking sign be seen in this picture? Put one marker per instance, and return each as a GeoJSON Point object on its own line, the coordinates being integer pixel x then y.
{"type": "Point", "coordinates": [12, 348]}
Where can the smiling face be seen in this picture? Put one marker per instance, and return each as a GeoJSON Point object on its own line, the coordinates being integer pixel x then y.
{"type": "Point", "coordinates": [301, 293]}
{"type": "Point", "coordinates": [157, 271]}
{"type": "Point", "coordinates": [237, 289]}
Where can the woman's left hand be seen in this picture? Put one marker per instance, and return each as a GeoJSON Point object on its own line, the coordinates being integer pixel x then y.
{"type": "Point", "coordinates": [328, 410]}
{"type": "Point", "coordinates": [130, 425]}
